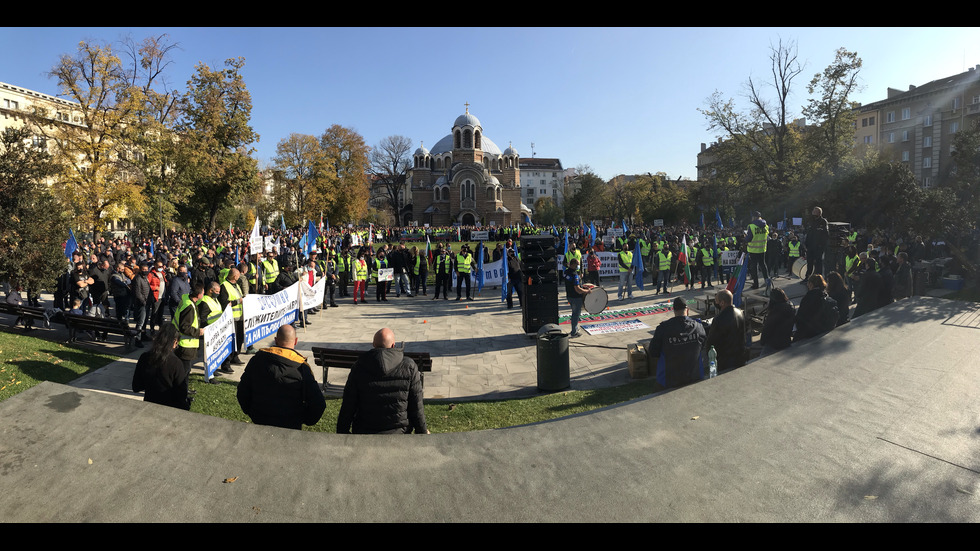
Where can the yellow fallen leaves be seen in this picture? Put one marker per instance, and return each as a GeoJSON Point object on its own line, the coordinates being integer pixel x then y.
{"type": "Point", "coordinates": [229, 480]}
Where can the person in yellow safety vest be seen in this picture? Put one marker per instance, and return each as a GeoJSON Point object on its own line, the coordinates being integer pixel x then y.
{"type": "Point", "coordinates": [756, 241]}
{"type": "Point", "coordinates": [443, 266]}
{"type": "Point", "coordinates": [230, 295]}
{"type": "Point", "coordinates": [360, 271]}
{"type": "Point", "coordinates": [706, 257]}
{"type": "Point", "coordinates": [663, 266]}
{"type": "Point", "coordinates": [189, 331]}
{"type": "Point", "coordinates": [381, 286]}
{"type": "Point", "coordinates": [270, 271]}
{"type": "Point", "coordinates": [645, 248]}
{"type": "Point", "coordinates": [208, 308]}
{"type": "Point", "coordinates": [796, 251]}
{"type": "Point", "coordinates": [464, 265]}
{"type": "Point", "coordinates": [574, 253]}
{"type": "Point", "coordinates": [624, 260]}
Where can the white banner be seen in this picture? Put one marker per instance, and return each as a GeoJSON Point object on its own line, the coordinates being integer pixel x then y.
{"type": "Point", "coordinates": [219, 341]}
{"type": "Point", "coordinates": [479, 235]}
{"type": "Point", "coordinates": [311, 296]}
{"type": "Point", "coordinates": [614, 327]}
{"type": "Point", "coordinates": [729, 258]}
{"type": "Point", "coordinates": [263, 315]}
{"type": "Point", "coordinates": [386, 274]}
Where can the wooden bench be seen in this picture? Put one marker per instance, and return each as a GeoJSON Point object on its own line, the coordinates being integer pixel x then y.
{"type": "Point", "coordinates": [345, 359]}
{"type": "Point", "coordinates": [30, 313]}
{"type": "Point", "coordinates": [99, 326]}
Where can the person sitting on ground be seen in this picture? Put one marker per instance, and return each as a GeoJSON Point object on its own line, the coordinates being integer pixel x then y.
{"type": "Point", "coordinates": [777, 329]}
{"type": "Point", "coordinates": [383, 394]}
{"type": "Point", "coordinates": [675, 348]}
{"type": "Point", "coordinates": [160, 374]}
{"type": "Point", "coordinates": [818, 313]}
{"type": "Point", "coordinates": [278, 387]}
{"type": "Point", "coordinates": [727, 333]}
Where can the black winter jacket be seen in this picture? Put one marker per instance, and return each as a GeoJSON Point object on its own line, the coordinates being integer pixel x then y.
{"type": "Point", "coordinates": [278, 389]}
{"type": "Point", "coordinates": [727, 335]}
{"type": "Point", "coordinates": [383, 395]}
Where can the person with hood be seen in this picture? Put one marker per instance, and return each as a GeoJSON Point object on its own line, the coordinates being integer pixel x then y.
{"type": "Point", "coordinates": [383, 394]}
{"type": "Point", "coordinates": [278, 387]}
{"type": "Point", "coordinates": [675, 349]}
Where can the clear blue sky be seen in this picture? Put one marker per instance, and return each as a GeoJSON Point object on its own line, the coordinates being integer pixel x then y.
{"type": "Point", "coordinates": [620, 100]}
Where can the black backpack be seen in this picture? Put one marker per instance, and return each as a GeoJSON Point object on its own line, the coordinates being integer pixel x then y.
{"type": "Point", "coordinates": [829, 314]}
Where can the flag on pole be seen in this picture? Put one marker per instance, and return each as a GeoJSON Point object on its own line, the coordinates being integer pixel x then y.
{"type": "Point", "coordinates": [255, 238]}
{"type": "Point", "coordinates": [479, 267]}
{"type": "Point", "coordinates": [237, 261]}
{"type": "Point", "coordinates": [71, 244]}
{"type": "Point", "coordinates": [684, 258]}
{"type": "Point", "coordinates": [702, 219]}
{"type": "Point", "coordinates": [737, 282]}
{"type": "Point", "coordinates": [504, 291]}
{"type": "Point", "coordinates": [625, 231]}
{"type": "Point", "coordinates": [370, 233]}
{"type": "Point", "coordinates": [593, 233]}
{"type": "Point", "coordinates": [638, 264]}
{"type": "Point", "coordinates": [428, 250]}
{"type": "Point", "coordinates": [321, 221]}
{"type": "Point", "coordinates": [312, 234]}
{"type": "Point", "coordinates": [153, 253]}
{"type": "Point", "coordinates": [718, 218]}
{"type": "Point", "coordinates": [282, 223]}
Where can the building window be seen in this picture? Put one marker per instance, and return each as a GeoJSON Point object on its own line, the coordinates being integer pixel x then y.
{"type": "Point", "coordinates": [891, 137]}
{"type": "Point", "coordinates": [905, 156]}
{"type": "Point", "coordinates": [927, 141]}
{"type": "Point", "coordinates": [906, 114]}
{"type": "Point", "coordinates": [890, 116]}
{"type": "Point", "coordinates": [10, 104]}
{"type": "Point", "coordinates": [956, 103]}
{"type": "Point", "coordinates": [867, 139]}
{"type": "Point", "coordinates": [927, 120]}
{"type": "Point", "coordinates": [927, 162]}
{"type": "Point", "coordinates": [927, 181]}
{"type": "Point", "coordinates": [954, 127]}
{"type": "Point", "coordinates": [905, 135]}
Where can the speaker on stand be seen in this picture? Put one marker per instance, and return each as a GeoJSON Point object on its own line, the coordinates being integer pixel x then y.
{"type": "Point", "coordinates": [539, 260]}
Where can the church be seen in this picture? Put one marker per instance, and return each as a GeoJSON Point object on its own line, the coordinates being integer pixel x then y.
{"type": "Point", "coordinates": [464, 179]}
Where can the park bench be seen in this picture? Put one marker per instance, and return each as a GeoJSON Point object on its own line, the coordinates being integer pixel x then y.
{"type": "Point", "coordinates": [345, 359]}
{"type": "Point", "coordinates": [32, 313]}
{"type": "Point", "coordinates": [100, 327]}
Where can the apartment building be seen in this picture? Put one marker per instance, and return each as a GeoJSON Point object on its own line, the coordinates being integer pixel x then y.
{"type": "Point", "coordinates": [541, 177]}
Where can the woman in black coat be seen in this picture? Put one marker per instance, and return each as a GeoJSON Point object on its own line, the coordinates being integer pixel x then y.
{"type": "Point", "coordinates": [777, 330]}
{"type": "Point", "coordinates": [808, 318]}
{"type": "Point", "coordinates": [161, 374]}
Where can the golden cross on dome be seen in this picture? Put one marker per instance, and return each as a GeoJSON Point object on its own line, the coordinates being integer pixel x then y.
{"type": "Point", "coordinates": [467, 107]}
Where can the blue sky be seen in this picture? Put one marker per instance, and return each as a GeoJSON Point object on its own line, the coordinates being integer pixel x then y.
{"type": "Point", "coordinates": [620, 100]}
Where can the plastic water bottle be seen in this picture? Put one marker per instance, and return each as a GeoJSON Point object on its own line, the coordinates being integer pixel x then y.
{"type": "Point", "coordinates": [712, 363]}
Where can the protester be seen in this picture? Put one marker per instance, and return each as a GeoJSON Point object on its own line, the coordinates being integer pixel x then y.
{"type": "Point", "coordinates": [777, 329]}
{"type": "Point", "coordinates": [676, 348]}
{"type": "Point", "coordinates": [160, 374]}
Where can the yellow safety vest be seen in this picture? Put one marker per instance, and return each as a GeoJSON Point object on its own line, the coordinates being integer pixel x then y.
{"type": "Point", "coordinates": [360, 270]}
{"type": "Point", "coordinates": [463, 263]}
{"type": "Point", "coordinates": [214, 307]}
{"type": "Point", "coordinates": [794, 251]}
{"type": "Point", "coordinates": [271, 267]}
{"type": "Point", "coordinates": [707, 259]}
{"type": "Point", "coordinates": [233, 295]}
{"type": "Point", "coordinates": [627, 258]}
{"type": "Point", "coordinates": [664, 260]}
{"type": "Point", "coordinates": [186, 341]}
{"type": "Point", "coordinates": [759, 239]}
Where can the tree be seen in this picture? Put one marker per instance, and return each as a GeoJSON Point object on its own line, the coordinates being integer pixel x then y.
{"type": "Point", "coordinates": [878, 196]}
{"type": "Point", "coordinates": [625, 195]}
{"type": "Point", "coordinates": [390, 162]}
{"type": "Point", "coordinates": [833, 111]}
{"type": "Point", "coordinates": [94, 134]}
{"type": "Point", "coordinates": [32, 225]}
{"type": "Point", "coordinates": [546, 212]}
{"type": "Point", "coordinates": [300, 169]}
{"type": "Point", "coordinates": [348, 163]}
{"type": "Point", "coordinates": [215, 141]}
{"type": "Point", "coordinates": [765, 144]}
{"type": "Point", "coordinates": [589, 200]}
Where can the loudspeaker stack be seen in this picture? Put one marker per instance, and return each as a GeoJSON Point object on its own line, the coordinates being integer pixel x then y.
{"type": "Point", "coordinates": [540, 304]}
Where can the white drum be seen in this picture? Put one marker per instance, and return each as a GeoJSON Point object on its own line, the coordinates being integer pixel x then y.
{"type": "Point", "coordinates": [799, 268]}
{"type": "Point", "coordinates": [595, 302]}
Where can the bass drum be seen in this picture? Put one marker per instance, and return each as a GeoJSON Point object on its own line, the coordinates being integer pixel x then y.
{"type": "Point", "coordinates": [595, 302]}
{"type": "Point", "coordinates": [799, 268]}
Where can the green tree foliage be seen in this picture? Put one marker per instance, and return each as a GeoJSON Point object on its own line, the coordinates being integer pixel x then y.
{"type": "Point", "coordinates": [93, 135]}
{"type": "Point", "coordinates": [589, 199]}
{"type": "Point", "coordinates": [32, 226]}
{"type": "Point", "coordinates": [215, 141]}
{"type": "Point", "coordinates": [348, 164]}
{"type": "Point", "coordinates": [878, 196]}
{"type": "Point", "coordinates": [832, 110]}
{"type": "Point", "coordinates": [546, 212]}
{"type": "Point", "coordinates": [666, 200]}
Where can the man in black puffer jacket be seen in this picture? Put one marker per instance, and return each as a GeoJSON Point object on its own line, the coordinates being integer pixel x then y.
{"type": "Point", "coordinates": [278, 387]}
{"type": "Point", "coordinates": [383, 394]}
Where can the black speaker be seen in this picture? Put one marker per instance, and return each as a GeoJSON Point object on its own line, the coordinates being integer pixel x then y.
{"type": "Point", "coordinates": [539, 306]}
{"type": "Point", "coordinates": [540, 259]}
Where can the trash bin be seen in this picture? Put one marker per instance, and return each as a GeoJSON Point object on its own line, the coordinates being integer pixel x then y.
{"type": "Point", "coordinates": [553, 370]}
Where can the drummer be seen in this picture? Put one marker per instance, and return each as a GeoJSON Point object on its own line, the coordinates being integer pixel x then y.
{"type": "Point", "coordinates": [575, 292]}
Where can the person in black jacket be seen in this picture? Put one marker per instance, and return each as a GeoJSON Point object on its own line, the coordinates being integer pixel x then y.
{"type": "Point", "coordinates": [383, 394]}
{"type": "Point", "coordinates": [160, 374]}
{"type": "Point", "coordinates": [868, 287]}
{"type": "Point", "coordinates": [278, 387]}
{"type": "Point", "coordinates": [727, 333]}
{"type": "Point", "coordinates": [812, 318]}
{"type": "Point", "coordinates": [675, 349]}
{"type": "Point", "coordinates": [817, 238]}
{"type": "Point", "coordinates": [837, 291]}
{"type": "Point", "coordinates": [777, 329]}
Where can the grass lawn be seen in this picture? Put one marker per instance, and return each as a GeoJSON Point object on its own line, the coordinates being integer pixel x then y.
{"type": "Point", "coordinates": [26, 361]}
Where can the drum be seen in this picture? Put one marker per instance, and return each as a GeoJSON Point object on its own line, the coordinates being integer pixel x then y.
{"type": "Point", "coordinates": [799, 268]}
{"type": "Point", "coordinates": [595, 302]}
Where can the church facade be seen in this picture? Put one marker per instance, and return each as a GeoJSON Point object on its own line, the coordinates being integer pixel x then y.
{"type": "Point", "coordinates": [464, 179]}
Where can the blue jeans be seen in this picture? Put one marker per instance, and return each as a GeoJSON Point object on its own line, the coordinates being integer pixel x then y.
{"type": "Point", "coordinates": [576, 304]}
{"type": "Point", "coordinates": [625, 280]}
{"type": "Point", "coordinates": [663, 280]}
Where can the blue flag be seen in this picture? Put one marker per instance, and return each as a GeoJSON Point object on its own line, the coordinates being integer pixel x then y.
{"type": "Point", "coordinates": [282, 223]}
{"type": "Point", "coordinates": [718, 218]}
{"type": "Point", "coordinates": [702, 219]}
{"type": "Point", "coordinates": [479, 267]}
{"type": "Point", "coordinates": [504, 286]}
{"type": "Point", "coordinates": [153, 253]}
{"type": "Point", "coordinates": [638, 264]}
{"type": "Point", "coordinates": [625, 231]}
{"type": "Point", "coordinates": [237, 262]}
{"type": "Point", "coordinates": [743, 270]}
{"type": "Point", "coordinates": [302, 242]}
{"type": "Point", "coordinates": [71, 244]}
{"type": "Point", "coordinates": [593, 233]}
{"type": "Point", "coordinates": [311, 235]}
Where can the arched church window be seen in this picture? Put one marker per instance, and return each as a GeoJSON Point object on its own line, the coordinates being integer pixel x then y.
{"type": "Point", "coordinates": [478, 140]}
{"type": "Point", "coordinates": [467, 139]}
{"type": "Point", "coordinates": [456, 139]}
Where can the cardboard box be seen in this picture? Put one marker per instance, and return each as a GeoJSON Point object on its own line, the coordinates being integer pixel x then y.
{"type": "Point", "coordinates": [637, 361]}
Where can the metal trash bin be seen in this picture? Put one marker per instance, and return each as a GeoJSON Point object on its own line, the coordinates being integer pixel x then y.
{"type": "Point", "coordinates": [553, 370]}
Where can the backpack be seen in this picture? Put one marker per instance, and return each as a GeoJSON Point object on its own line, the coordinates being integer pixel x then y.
{"type": "Point", "coordinates": [829, 314]}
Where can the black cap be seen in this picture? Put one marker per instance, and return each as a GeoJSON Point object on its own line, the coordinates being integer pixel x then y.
{"type": "Point", "coordinates": [680, 303]}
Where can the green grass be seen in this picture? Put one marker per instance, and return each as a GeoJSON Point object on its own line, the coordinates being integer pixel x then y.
{"type": "Point", "coordinates": [443, 415]}
{"type": "Point", "coordinates": [26, 361]}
